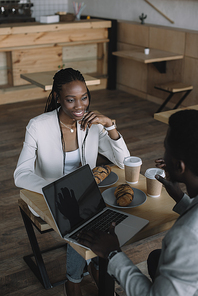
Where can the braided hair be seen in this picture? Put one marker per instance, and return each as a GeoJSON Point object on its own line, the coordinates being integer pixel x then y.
{"type": "Point", "coordinates": [62, 77]}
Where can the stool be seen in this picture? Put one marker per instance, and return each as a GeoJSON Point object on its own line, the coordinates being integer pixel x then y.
{"type": "Point", "coordinates": [172, 88]}
{"type": "Point", "coordinates": [39, 268]}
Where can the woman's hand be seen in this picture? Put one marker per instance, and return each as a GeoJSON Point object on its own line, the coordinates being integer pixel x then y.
{"type": "Point", "coordinates": [97, 118]}
{"type": "Point", "coordinates": [94, 118]}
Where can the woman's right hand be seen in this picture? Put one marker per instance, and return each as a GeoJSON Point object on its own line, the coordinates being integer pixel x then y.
{"type": "Point", "coordinates": [94, 118]}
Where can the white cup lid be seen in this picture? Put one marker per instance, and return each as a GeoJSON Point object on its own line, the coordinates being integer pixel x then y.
{"type": "Point", "coordinates": [150, 173]}
{"type": "Point", "coordinates": [132, 161]}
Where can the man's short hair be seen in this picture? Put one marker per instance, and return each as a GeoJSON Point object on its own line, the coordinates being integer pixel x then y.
{"type": "Point", "coordinates": [183, 137]}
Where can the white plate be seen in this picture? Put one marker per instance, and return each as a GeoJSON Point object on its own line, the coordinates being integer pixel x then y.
{"type": "Point", "coordinates": [110, 180]}
{"type": "Point", "coordinates": [138, 199]}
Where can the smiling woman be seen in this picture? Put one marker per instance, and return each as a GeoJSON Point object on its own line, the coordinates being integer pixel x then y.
{"type": "Point", "coordinates": [67, 136]}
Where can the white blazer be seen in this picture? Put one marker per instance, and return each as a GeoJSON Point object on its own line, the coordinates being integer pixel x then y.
{"type": "Point", "coordinates": [41, 159]}
{"type": "Point", "coordinates": [177, 272]}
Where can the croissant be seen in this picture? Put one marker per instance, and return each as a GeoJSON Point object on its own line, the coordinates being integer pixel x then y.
{"type": "Point", "coordinates": [124, 195]}
{"type": "Point", "coordinates": [101, 172]}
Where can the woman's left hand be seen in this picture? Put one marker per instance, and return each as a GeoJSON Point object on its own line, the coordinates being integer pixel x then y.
{"type": "Point", "coordinates": [94, 118]}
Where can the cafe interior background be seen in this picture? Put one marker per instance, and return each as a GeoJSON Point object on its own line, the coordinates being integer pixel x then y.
{"type": "Point", "coordinates": [182, 12]}
{"type": "Point", "coordinates": [173, 18]}
{"type": "Point", "coordinates": [176, 31]}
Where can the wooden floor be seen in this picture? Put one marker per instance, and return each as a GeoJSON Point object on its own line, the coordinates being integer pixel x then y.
{"type": "Point", "coordinates": [144, 137]}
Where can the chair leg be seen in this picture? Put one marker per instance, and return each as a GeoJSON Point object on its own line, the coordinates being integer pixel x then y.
{"type": "Point", "coordinates": [165, 102]}
{"type": "Point", "coordinates": [182, 99]}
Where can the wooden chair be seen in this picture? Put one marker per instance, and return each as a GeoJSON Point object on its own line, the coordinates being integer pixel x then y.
{"type": "Point", "coordinates": [172, 88]}
{"type": "Point", "coordinates": [39, 268]}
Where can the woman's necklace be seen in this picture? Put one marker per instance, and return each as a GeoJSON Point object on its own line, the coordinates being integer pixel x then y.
{"type": "Point", "coordinates": [71, 129]}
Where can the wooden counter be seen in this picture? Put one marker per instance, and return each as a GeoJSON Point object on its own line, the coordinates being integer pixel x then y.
{"type": "Point", "coordinates": [35, 47]}
{"type": "Point", "coordinates": [35, 34]}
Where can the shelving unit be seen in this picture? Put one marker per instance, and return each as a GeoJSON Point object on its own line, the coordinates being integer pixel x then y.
{"type": "Point", "coordinates": [35, 47]}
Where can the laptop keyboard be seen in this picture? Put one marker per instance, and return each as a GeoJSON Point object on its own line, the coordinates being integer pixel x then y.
{"type": "Point", "coordinates": [102, 222]}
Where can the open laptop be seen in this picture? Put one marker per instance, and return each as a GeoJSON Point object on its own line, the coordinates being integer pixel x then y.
{"type": "Point", "coordinates": [75, 202]}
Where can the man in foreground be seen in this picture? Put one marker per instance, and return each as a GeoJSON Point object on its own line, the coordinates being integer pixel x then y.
{"type": "Point", "coordinates": [177, 268]}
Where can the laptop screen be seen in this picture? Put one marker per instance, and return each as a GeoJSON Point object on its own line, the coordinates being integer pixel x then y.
{"type": "Point", "coordinates": [73, 199]}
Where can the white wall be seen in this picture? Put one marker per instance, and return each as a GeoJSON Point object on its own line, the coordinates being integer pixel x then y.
{"type": "Point", "coordinates": [48, 7]}
{"type": "Point", "coordinates": [184, 13]}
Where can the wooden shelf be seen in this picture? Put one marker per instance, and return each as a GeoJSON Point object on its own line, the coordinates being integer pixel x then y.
{"type": "Point", "coordinates": [154, 56]}
{"type": "Point", "coordinates": [45, 79]}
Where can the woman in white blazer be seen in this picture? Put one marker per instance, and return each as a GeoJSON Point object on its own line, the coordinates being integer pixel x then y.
{"type": "Point", "coordinates": [65, 137]}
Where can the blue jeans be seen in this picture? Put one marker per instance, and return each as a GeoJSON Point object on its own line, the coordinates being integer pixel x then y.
{"type": "Point", "coordinates": [75, 265]}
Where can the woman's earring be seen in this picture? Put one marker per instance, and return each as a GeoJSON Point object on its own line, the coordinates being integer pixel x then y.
{"type": "Point", "coordinates": [57, 98]}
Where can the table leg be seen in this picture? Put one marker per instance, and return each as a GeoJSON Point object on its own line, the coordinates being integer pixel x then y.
{"type": "Point", "coordinates": [106, 282]}
{"type": "Point", "coordinates": [39, 270]}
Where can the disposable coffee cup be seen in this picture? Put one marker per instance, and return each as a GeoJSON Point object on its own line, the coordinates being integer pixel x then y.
{"type": "Point", "coordinates": [146, 50]}
{"type": "Point", "coordinates": [154, 187]}
{"type": "Point", "coordinates": [132, 165]}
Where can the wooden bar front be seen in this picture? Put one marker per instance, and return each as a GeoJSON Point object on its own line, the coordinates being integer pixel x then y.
{"type": "Point", "coordinates": [34, 47]}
